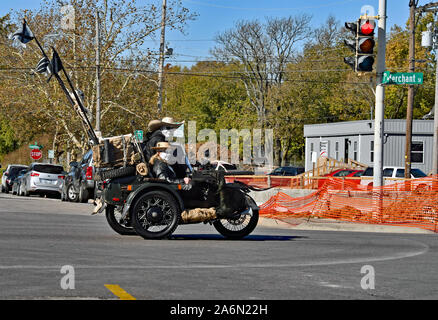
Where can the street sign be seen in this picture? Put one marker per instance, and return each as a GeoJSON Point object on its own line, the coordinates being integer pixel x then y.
{"type": "Point", "coordinates": [51, 154]}
{"type": "Point", "coordinates": [139, 134]}
{"type": "Point", "coordinates": [402, 78]}
{"type": "Point", "coordinates": [35, 146]}
{"type": "Point", "coordinates": [36, 154]}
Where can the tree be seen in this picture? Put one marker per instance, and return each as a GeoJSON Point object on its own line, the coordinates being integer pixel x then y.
{"type": "Point", "coordinates": [397, 60]}
{"type": "Point", "coordinates": [208, 94]}
{"type": "Point", "coordinates": [262, 51]}
{"type": "Point", "coordinates": [126, 67]}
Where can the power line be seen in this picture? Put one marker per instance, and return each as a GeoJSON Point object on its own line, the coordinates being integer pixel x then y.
{"type": "Point", "coordinates": [269, 9]}
{"type": "Point", "coordinates": [196, 74]}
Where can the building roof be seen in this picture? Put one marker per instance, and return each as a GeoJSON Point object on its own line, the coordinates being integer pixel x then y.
{"type": "Point", "coordinates": [366, 127]}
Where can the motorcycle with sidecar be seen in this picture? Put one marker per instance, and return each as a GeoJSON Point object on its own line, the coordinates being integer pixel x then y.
{"type": "Point", "coordinates": [153, 208]}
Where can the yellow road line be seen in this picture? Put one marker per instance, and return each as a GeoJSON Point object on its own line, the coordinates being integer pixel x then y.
{"type": "Point", "coordinates": [119, 292]}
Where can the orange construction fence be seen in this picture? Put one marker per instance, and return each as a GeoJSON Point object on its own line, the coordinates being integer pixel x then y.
{"type": "Point", "coordinates": [412, 203]}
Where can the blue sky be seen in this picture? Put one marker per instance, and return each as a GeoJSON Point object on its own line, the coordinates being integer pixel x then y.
{"type": "Point", "coordinates": [216, 16]}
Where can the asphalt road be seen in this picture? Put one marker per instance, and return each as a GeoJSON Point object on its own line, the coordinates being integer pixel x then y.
{"type": "Point", "coordinates": [47, 245]}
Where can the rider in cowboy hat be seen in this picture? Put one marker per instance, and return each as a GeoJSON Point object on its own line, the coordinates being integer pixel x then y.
{"type": "Point", "coordinates": [159, 131]}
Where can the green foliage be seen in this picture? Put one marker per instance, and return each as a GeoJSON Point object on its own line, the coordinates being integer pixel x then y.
{"type": "Point", "coordinates": [213, 101]}
{"type": "Point", "coordinates": [8, 143]}
{"type": "Point", "coordinates": [397, 60]}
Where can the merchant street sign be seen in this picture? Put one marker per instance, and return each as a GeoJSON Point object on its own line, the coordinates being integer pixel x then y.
{"type": "Point", "coordinates": [35, 146]}
{"type": "Point", "coordinates": [402, 78]}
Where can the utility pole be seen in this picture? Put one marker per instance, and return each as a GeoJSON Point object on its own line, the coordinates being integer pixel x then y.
{"type": "Point", "coordinates": [435, 123]}
{"type": "Point", "coordinates": [411, 88]}
{"type": "Point", "coordinates": [161, 62]}
{"type": "Point", "coordinates": [380, 97]}
{"type": "Point", "coordinates": [433, 7]}
{"type": "Point", "coordinates": [98, 93]}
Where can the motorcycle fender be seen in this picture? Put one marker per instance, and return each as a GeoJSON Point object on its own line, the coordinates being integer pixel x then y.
{"type": "Point", "coordinates": [149, 187]}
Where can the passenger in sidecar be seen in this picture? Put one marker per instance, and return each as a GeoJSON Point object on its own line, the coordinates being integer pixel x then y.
{"type": "Point", "coordinates": [161, 169]}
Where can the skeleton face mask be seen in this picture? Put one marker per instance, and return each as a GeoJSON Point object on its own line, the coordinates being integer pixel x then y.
{"type": "Point", "coordinates": [165, 156]}
{"type": "Point", "coordinates": [168, 132]}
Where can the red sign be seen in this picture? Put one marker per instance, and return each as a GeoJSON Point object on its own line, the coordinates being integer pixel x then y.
{"type": "Point", "coordinates": [36, 154]}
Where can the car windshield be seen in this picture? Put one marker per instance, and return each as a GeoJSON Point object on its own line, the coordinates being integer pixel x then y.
{"type": "Point", "coordinates": [290, 170]}
{"type": "Point", "coordinates": [369, 172]}
{"type": "Point", "coordinates": [15, 170]}
{"type": "Point", "coordinates": [417, 173]}
{"type": "Point", "coordinates": [87, 157]}
{"type": "Point", "coordinates": [48, 169]}
{"type": "Point", "coordinates": [342, 173]}
{"type": "Point", "coordinates": [388, 172]}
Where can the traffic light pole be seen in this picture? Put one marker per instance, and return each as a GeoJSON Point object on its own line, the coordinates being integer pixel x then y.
{"type": "Point", "coordinates": [380, 97]}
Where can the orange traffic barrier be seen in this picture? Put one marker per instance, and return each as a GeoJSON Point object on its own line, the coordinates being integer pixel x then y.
{"type": "Point", "coordinates": [412, 203]}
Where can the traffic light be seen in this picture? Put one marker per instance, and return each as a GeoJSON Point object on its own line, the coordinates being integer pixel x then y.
{"type": "Point", "coordinates": [362, 45]}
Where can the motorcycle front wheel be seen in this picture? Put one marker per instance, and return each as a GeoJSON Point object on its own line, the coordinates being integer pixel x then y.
{"type": "Point", "coordinates": [235, 229]}
{"type": "Point", "coordinates": [113, 217]}
{"type": "Point", "coordinates": [155, 215]}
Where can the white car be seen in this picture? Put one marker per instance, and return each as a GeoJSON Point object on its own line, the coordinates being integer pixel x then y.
{"type": "Point", "coordinates": [390, 172]}
{"type": "Point", "coordinates": [42, 179]}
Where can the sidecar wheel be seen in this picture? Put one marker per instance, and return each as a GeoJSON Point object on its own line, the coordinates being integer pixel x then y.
{"type": "Point", "coordinates": [239, 228]}
{"type": "Point", "coordinates": [155, 215]}
{"type": "Point", "coordinates": [113, 219]}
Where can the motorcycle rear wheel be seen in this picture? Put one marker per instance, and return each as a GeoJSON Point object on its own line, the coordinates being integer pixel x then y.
{"type": "Point", "coordinates": [235, 229]}
{"type": "Point", "coordinates": [113, 219]}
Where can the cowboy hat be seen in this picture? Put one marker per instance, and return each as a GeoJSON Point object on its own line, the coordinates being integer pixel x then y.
{"type": "Point", "coordinates": [166, 122]}
{"type": "Point", "coordinates": [162, 146]}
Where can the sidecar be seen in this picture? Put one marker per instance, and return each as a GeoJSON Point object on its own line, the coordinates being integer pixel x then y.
{"type": "Point", "coordinates": [154, 208]}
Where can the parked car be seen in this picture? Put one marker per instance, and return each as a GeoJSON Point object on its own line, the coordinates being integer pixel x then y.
{"type": "Point", "coordinates": [287, 171]}
{"type": "Point", "coordinates": [79, 184]}
{"type": "Point", "coordinates": [17, 182]}
{"type": "Point", "coordinates": [43, 179]}
{"type": "Point", "coordinates": [9, 175]}
{"type": "Point", "coordinates": [391, 172]}
{"type": "Point", "coordinates": [340, 173]}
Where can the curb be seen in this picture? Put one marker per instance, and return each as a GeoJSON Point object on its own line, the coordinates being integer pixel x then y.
{"type": "Point", "coordinates": [333, 225]}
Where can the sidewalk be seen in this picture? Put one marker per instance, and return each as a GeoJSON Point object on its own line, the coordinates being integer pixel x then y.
{"type": "Point", "coordinates": [335, 225]}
